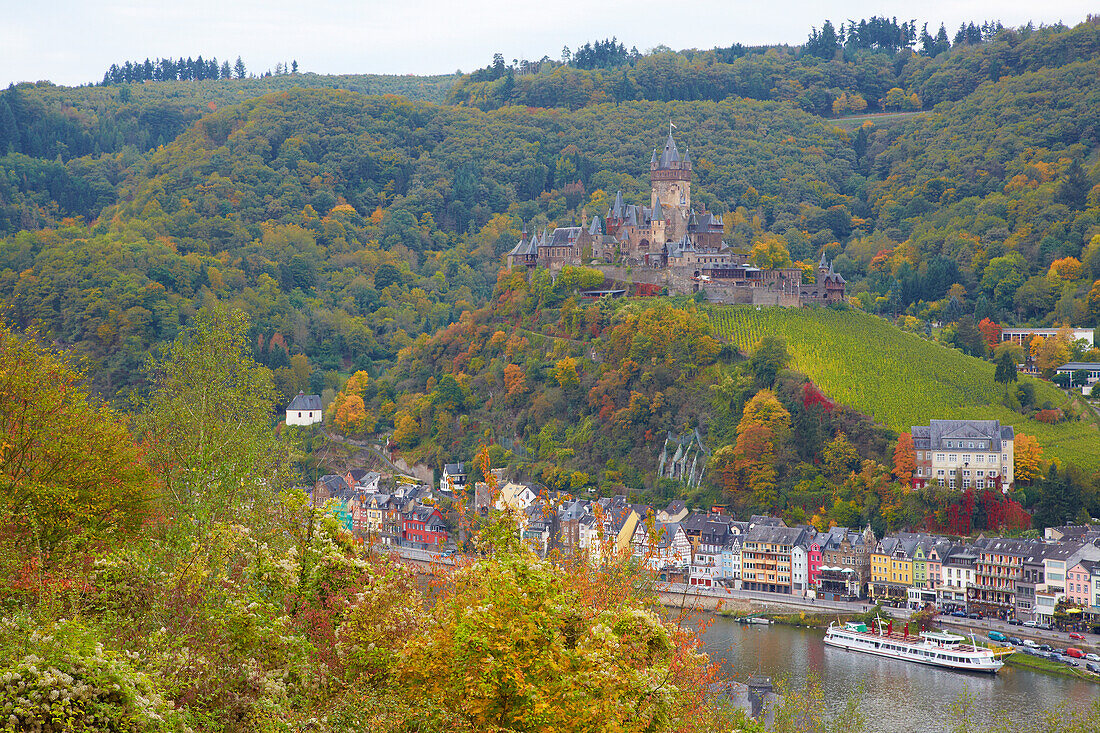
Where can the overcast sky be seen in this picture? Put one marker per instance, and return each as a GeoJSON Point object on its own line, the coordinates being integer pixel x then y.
{"type": "Point", "coordinates": [74, 41]}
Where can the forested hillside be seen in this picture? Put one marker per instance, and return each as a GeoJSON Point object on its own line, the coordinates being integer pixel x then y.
{"type": "Point", "coordinates": [348, 224]}
{"type": "Point", "coordinates": [356, 229]}
{"type": "Point", "coordinates": [837, 71]}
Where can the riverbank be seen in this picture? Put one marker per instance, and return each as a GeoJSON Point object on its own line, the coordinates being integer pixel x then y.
{"type": "Point", "coordinates": [821, 621]}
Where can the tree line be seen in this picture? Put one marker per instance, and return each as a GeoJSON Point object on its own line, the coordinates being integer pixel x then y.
{"type": "Point", "coordinates": [181, 69]}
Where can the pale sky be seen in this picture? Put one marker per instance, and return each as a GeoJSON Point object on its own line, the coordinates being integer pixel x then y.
{"type": "Point", "coordinates": [74, 41]}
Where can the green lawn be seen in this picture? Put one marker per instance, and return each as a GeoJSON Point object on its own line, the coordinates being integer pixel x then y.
{"type": "Point", "coordinates": [899, 378]}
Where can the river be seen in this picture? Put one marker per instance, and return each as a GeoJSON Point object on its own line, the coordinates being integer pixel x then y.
{"type": "Point", "coordinates": [894, 696]}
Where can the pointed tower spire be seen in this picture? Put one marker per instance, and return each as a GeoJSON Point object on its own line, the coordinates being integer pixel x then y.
{"type": "Point", "coordinates": [658, 214]}
{"type": "Point", "coordinates": [653, 160]}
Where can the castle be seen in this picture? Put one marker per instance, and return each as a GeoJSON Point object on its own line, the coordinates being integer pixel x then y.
{"type": "Point", "coordinates": [670, 244]}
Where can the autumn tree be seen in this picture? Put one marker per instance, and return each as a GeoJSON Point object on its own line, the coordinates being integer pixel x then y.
{"type": "Point", "coordinates": [1050, 353]}
{"type": "Point", "coordinates": [515, 383]}
{"type": "Point", "coordinates": [1025, 460]}
{"type": "Point", "coordinates": [70, 475]}
{"type": "Point", "coordinates": [841, 457]}
{"type": "Point", "coordinates": [769, 252]}
{"type": "Point", "coordinates": [515, 645]}
{"type": "Point", "coordinates": [905, 459]}
{"type": "Point", "coordinates": [991, 332]}
{"type": "Point", "coordinates": [765, 409]}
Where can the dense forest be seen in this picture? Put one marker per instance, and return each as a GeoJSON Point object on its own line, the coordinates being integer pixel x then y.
{"type": "Point", "coordinates": [875, 64]}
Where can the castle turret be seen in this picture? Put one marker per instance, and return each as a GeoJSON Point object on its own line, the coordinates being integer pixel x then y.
{"type": "Point", "coordinates": [670, 179]}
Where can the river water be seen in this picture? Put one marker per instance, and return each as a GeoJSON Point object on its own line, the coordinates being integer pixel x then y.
{"type": "Point", "coordinates": [894, 696]}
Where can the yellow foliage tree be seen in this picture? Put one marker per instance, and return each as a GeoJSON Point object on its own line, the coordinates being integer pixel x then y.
{"type": "Point", "coordinates": [769, 252]}
{"type": "Point", "coordinates": [1026, 455]}
{"type": "Point", "coordinates": [766, 410]}
{"type": "Point", "coordinates": [566, 373]}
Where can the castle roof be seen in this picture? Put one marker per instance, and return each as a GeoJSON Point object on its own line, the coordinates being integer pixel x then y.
{"type": "Point", "coordinates": [617, 211]}
{"type": "Point", "coordinates": [594, 227]}
{"type": "Point", "coordinates": [658, 214]}
{"type": "Point", "coordinates": [669, 155]}
{"type": "Point", "coordinates": [653, 160]}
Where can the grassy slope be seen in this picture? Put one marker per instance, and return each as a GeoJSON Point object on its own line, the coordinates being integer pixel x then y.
{"type": "Point", "coordinates": [899, 378]}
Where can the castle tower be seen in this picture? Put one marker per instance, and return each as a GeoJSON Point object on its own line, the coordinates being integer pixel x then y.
{"type": "Point", "coordinates": [670, 180]}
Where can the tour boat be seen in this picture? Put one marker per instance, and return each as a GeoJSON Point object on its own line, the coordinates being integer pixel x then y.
{"type": "Point", "coordinates": [935, 648]}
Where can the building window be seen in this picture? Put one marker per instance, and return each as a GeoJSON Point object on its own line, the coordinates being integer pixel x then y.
{"type": "Point", "coordinates": [939, 457]}
{"type": "Point", "coordinates": [966, 458]}
{"type": "Point", "coordinates": [953, 458]}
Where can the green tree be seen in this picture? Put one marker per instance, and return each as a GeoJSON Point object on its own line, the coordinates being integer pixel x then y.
{"type": "Point", "coordinates": [769, 358]}
{"type": "Point", "coordinates": [238, 68]}
{"type": "Point", "coordinates": [1006, 369]}
{"type": "Point", "coordinates": [208, 422]}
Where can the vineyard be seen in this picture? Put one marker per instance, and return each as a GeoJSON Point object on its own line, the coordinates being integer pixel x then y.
{"type": "Point", "coordinates": [898, 378]}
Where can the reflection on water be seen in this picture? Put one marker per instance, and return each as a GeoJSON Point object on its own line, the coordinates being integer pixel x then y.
{"type": "Point", "coordinates": [896, 696]}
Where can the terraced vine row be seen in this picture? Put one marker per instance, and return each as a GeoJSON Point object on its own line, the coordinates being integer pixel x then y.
{"type": "Point", "coordinates": [898, 378]}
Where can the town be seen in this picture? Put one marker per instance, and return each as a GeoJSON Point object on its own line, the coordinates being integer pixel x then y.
{"type": "Point", "coordinates": [1047, 581]}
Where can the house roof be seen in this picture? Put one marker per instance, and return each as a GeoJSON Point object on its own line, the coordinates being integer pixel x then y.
{"type": "Point", "coordinates": [774, 535]}
{"type": "Point", "coordinates": [454, 469]}
{"type": "Point", "coordinates": [930, 437]}
{"type": "Point", "coordinates": [1090, 366]}
{"type": "Point", "coordinates": [305, 402]}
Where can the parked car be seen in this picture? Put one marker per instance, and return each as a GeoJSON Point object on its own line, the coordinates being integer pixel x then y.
{"type": "Point", "coordinates": [1046, 648]}
{"type": "Point", "coordinates": [1030, 624]}
{"type": "Point", "coordinates": [959, 614]}
{"type": "Point", "coordinates": [1078, 637]}
{"type": "Point", "coordinates": [1017, 641]}
{"type": "Point", "coordinates": [1030, 644]}
{"type": "Point", "coordinates": [1093, 657]}
{"type": "Point", "coordinates": [1015, 622]}
{"type": "Point", "coordinates": [997, 636]}
{"type": "Point", "coordinates": [1092, 667]}
{"type": "Point", "coordinates": [974, 615]}
{"type": "Point", "coordinates": [1075, 653]}
{"type": "Point", "coordinates": [1045, 627]}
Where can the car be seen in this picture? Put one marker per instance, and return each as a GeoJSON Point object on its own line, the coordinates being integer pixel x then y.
{"type": "Point", "coordinates": [974, 615]}
{"type": "Point", "coordinates": [1015, 640]}
{"type": "Point", "coordinates": [449, 553]}
{"type": "Point", "coordinates": [959, 614]}
{"type": "Point", "coordinates": [1077, 636]}
{"type": "Point", "coordinates": [1046, 648]}
{"type": "Point", "coordinates": [997, 636]}
{"type": "Point", "coordinates": [1092, 657]}
{"type": "Point", "coordinates": [1093, 667]}
{"type": "Point", "coordinates": [1045, 627]}
{"type": "Point", "coordinates": [1030, 644]}
{"type": "Point", "coordinates": [1031, 624]}
{"type": "Point", "coordinates": [1015, 622]}
{"type": "Point", "coordinates": [1075, 653]}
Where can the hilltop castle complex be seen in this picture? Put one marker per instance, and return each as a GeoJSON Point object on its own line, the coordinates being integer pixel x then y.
{"type": "Point", "coordinates": [671, 244]}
